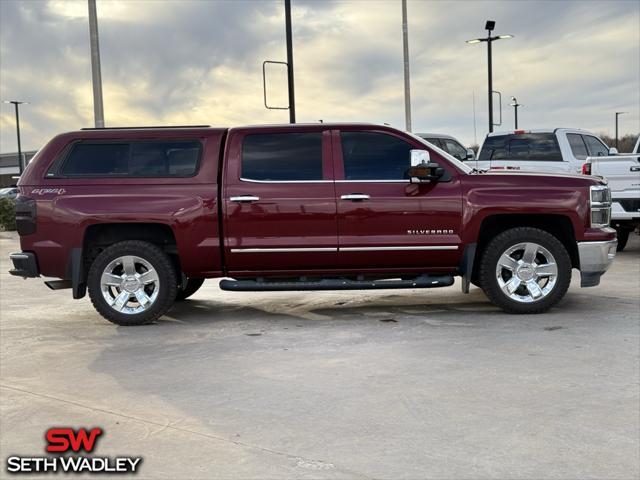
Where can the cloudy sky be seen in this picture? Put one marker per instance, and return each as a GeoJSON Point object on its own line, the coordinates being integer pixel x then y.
{"type": "Point", "coordinates": [571, 63]}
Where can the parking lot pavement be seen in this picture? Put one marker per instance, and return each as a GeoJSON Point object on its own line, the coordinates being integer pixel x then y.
{"type": "Point", "coordinates": [387, 384]}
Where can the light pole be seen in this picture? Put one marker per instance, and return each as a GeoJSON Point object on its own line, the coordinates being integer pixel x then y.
{"type": "Point", "coordinates": [96, 75]}
{"type": "Point", "coordinates": [292, 95]}
{"type": "Point", "coordinates": [16, 103]}
{"type": "Point", "coordinates": [515, 106]}
{"type": "Point", "coordinates": [617, 115]}
{"type": "Point", "coordinates": [489, 26]}
{"type": "Point", "coordinates": [405, 54]}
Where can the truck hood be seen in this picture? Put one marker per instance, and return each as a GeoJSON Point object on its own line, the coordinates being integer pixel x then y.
{"type": "Point", "coordinates": [542, 178]}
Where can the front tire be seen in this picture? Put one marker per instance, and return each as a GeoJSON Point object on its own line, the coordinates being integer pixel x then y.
{"type": "Point", "coordinates": [132, 283]}
{"type": "Point", "coordinates": [525, 270]}
{"type": "Point", "coordinates": [623, 237]}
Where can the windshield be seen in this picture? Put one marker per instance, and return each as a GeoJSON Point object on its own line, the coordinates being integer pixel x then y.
{"type": "Point", "coordinates": [6, 190]}
{"type": "Point", "coordinates": [452, 159]}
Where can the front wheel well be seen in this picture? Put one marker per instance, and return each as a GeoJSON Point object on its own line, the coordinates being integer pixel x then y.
{"type": "Point", "coordinates": [559, 226]}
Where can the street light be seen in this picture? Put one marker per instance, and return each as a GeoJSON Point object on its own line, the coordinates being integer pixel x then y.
{"type": "Point", "coordinates": [515, 106]}
{"type": "Point", "coordinates": [15, 104]}
{"type": "Point", "coordinates": [489, 26]}
{"type": "Point", "coordinates": [617, 115]}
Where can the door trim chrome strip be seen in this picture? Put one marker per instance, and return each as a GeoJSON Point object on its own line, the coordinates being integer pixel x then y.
{"type": "Point", "coordinates": [416, 247]}
{"type": "Point", "coordinates": [342, 249]}
{"type": "Point", "coordinates": [373, 181]}
{"type": "Point", "coordinates": [242, 179]}
{"type": "Point", "coordinates": [284, 250]}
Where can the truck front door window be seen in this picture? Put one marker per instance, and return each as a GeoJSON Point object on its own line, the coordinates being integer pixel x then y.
{"type": "Point", "coordinates": [595, 146]}
{"type": "Point", "coordinates": [455, 149]}
{"type": "Point", "coordinates": [375, 156]}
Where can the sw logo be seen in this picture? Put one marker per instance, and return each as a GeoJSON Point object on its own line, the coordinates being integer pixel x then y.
{"type": "Point", "coordinates": [66, 440]}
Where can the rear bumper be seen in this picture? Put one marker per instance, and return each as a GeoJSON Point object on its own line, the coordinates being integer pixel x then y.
{"type": "Point", "coordinates": [25, 265]}
{"type": "Point", "coordinates": [595, 259]}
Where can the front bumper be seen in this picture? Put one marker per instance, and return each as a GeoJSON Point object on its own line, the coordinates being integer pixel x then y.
{"type": "Point", "coordinates": [595, 259]}
{"type": "Point", "coordinates": [24, 265]}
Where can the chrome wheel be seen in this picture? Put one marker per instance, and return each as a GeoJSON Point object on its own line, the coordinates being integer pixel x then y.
{"type": "Point", "coordinates": [526, 272]}
{"type": "Point", "coordinates": [130, 284]}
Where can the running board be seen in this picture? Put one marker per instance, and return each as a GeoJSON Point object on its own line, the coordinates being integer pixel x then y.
{"type": "Point", "coordinates": [423, 281]}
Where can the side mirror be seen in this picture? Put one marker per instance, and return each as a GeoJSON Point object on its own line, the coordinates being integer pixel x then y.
{"type": "Point", "coordinates": [419, 157]}
{"type": "Point", "coordinates": [471, 155]}
{"type": "Point", "coordinates": [422, 170]}
{"type": "Point", "coordinates": [613, 151]}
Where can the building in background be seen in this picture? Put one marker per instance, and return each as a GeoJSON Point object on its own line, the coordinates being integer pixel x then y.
{"type": "Point", "coordinates": [9, 166]}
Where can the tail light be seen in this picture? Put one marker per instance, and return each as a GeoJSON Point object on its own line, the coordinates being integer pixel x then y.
{"type": "Point", "coordinates": [25, 215]}
{"type": "Point", "coordinates": [586, 169]}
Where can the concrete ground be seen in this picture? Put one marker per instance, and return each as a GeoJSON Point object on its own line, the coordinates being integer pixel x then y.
{"type": "Point", "coordinates": [394, 384]}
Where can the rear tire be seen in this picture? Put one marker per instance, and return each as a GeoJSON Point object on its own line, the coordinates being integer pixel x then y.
{"type": "Point", "coordinates": [132, 283]}
{"type": "Point", "coordinates": [191, 286]}
{"type": "Point", "coordinates": [525, 270]}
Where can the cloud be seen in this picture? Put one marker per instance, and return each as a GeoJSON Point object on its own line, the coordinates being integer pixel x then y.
{"type": "Point", "coordinates": [174, 62]}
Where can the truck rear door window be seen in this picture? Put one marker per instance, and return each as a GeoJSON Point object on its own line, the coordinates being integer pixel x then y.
{"type": "Point", "coordinates": [375, 156]}
{"type": "Point", "coordinates": [133, 159]}
{"type": "Point", "coordinates": [282, 157]}
{"type": "Point", "coordinates": [578, 148]}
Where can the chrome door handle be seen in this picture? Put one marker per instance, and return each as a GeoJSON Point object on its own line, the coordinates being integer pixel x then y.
{"type": "Point", "coordinates": [355, 197]}
{"type": "Point", "coordinates": [244, 198]}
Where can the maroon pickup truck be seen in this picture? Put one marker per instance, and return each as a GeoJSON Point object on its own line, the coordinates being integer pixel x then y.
{"type": "Point", "coordinates": [141, 216]}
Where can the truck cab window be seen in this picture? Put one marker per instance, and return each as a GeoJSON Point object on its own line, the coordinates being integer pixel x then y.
{"type": "Point", "coordinates": [282, 157]}
{"type": "Point", "coordinates": [521, 147]}
{"type": "Point", "coordinates": [375, 156]}
{"type": "Point", "coordinates": [534, 146]}
{"type": "Point", "coordinates": [494, 148]}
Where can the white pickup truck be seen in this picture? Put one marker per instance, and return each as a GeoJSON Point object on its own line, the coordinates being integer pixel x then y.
{"type": "Point", "coordinates": [559, 150]}
{"type": "Point", "coordinates": [623, 175]}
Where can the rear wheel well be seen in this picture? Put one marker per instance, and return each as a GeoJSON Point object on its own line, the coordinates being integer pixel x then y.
{"type": "Point", "coordinates": [100, 236]}
{"type": "Point", "coordinates": [559, 226]}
